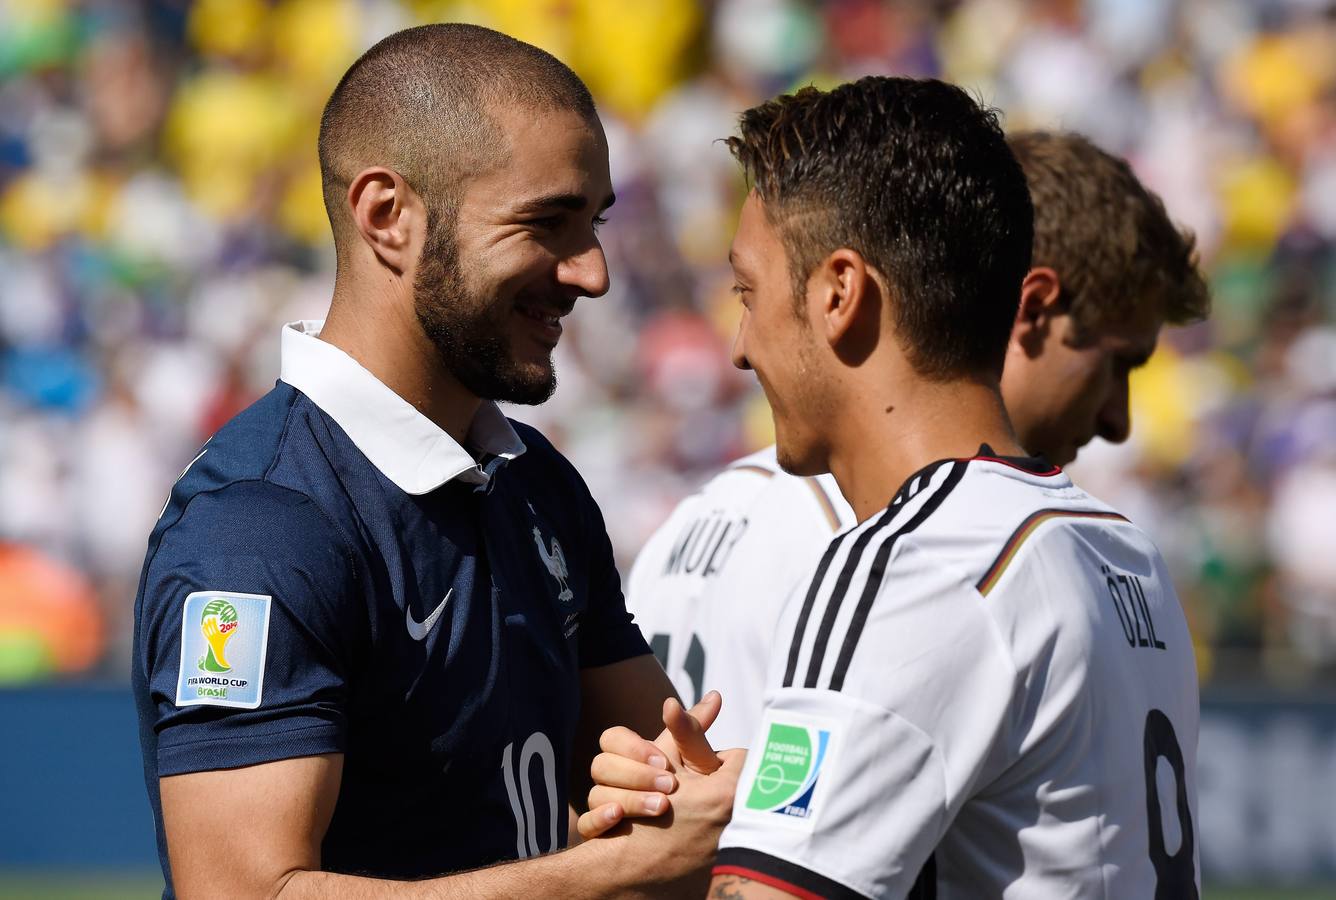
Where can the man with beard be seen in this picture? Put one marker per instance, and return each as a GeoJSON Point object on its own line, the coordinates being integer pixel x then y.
{"type": "Point", "coordinates": [379, 628]}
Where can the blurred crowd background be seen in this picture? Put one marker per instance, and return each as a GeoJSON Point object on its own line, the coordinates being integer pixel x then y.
{"type": "Point", "coordinates": [161, 216]}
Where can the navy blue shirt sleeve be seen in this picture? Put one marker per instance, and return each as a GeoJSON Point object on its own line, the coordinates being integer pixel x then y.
{"type": "Point", "coordinates": [251, 619]}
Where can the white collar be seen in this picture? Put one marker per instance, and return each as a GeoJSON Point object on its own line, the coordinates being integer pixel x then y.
{"type": "Point", "coordinates": [406, 446]}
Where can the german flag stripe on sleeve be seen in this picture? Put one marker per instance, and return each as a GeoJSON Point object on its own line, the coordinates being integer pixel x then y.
{"type": "Point", "coordinates": [1023, 532]}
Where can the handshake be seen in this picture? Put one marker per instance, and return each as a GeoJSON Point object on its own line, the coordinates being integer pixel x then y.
{"type": "Point", "coordinates": [667, 800]}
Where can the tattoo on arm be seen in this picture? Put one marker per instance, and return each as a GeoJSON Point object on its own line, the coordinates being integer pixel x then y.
{"type": "Point", "coordinates": [728, 887]}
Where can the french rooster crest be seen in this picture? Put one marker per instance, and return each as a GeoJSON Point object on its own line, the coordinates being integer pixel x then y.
{"type": "Point", "coordinates": [555, 560]}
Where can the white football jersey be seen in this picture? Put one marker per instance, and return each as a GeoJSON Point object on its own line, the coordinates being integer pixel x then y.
{"type": "Point", "coordinates": [709, 585]}
{"type": "Point", "coordinates": [988, 690]}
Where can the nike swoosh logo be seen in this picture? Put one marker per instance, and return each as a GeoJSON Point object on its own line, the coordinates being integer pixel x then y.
{"type": "Point", "coordinates": [419, 630]}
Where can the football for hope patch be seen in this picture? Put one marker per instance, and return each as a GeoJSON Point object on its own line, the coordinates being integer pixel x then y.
{"type": "Point", "coordinates": [224, 638]}
{"type": "Point", "coordinates": [786, 784]}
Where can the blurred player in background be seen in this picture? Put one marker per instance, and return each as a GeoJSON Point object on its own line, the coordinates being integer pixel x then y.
{"type": "Point", "coordinates": [379, 627]}
{"type": "Point", "coordinates": [1108, 270]}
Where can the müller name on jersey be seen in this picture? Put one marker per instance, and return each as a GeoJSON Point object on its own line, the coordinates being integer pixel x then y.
{"type": "Point", "coordinates": [704, 544]}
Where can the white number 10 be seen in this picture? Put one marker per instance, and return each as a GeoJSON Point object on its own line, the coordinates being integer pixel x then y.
{"type": "Point", "coordinates": [521, 801]}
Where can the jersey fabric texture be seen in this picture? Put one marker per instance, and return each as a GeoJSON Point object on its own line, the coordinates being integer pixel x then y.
{"type": "Point", "coordinates": [709, 585]}
{"type": "Point", "coordinates": [988, 690]}
{"type": "Point", "coordinates": [421, 610]}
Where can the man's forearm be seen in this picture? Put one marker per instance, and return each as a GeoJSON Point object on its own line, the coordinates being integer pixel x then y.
{"type": "Point", "coordinates": [587, 871]}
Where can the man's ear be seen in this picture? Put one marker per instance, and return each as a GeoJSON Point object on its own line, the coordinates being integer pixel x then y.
{"type": "Point", "coordinates": [849, 300]}
{"type": "Point", "coordinates": [388, 214]}
{"type": "Point", "coordinates": [1041, 302]}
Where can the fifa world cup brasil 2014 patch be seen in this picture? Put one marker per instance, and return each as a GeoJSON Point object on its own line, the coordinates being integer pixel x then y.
{"type": "Point", "coordinates": [224, 637]}
{"type": "Point", "coordinates": [789, 771]}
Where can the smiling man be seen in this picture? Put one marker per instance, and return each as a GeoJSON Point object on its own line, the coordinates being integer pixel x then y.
{"type": "Point", "coordinates": [1109, 268]}
{"type": "Point", "coordinates": [379, 628]}
{"type": "Point", "coordinates": [987, 687]}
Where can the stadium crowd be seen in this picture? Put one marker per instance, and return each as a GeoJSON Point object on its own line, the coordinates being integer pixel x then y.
{"type": "Point", "coordinates": [161, 216]}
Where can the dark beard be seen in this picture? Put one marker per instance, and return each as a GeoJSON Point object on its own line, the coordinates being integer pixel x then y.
{"type": "Point", "coordinates": [469, 333]}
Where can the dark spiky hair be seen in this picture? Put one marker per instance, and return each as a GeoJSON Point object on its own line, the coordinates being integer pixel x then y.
{"type": "Point", "coordinates": [916, 177]}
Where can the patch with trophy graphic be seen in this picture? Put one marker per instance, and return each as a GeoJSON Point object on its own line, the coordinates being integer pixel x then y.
{"type": "Point", "coordinates": [224, 637]}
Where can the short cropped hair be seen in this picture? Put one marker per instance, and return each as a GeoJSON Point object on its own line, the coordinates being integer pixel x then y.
{"type": "Point", "coordinates": [916, 177]}
{"type": "Point", "coordinates": [1115, 250]}
{"type": "Point", "coordinates": [419, 102]}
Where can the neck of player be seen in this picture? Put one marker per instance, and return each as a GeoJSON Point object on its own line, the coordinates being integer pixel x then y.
{"type": "Point", "coordinates": [387, 340]}
{"type": "Point", "coordinates": [887, 436]}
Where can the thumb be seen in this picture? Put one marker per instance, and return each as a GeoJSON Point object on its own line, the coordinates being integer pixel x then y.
{"type": "Point", "coordinates": [707, 710]}
{"type": "Point", "coordinates": [687, 730]}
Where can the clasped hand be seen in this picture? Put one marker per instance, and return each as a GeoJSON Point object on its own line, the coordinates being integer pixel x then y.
{"type": "Point", "coordinates": [635, 778]}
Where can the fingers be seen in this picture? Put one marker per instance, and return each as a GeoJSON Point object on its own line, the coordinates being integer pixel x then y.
{"type": "Point", "coordinates": [630, 775]}
{"type": "Point", "coordinates": [598, 820]}
{"type": "Point", "coordinates": [688, 733]}
{"type": "Point", "coordinates": [615, 771]}
{"type": "Point", "coordinates": [707, 710]}
{"type": "Point", "coordinates": [634, 804]}
{"type": "Point", "coordinates": [622, 741]}
{"type": "Point", "coordinates": [610, 806]}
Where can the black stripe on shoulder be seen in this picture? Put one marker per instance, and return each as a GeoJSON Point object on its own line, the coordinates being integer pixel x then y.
{"type": "Point", "coordinates": [783, 874]}
{"type": "Point", "coordinates": [914, 485]}
{"type": "Point", "coordinates": [878, 570]}
{"type": "Point", "coordinates": [808, 602]}
{"type": "Point", "coordinates": [837, 595]}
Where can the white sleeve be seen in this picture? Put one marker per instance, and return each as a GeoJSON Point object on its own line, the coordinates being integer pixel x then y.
{"type": "Point", "coordinates": [847, 792]}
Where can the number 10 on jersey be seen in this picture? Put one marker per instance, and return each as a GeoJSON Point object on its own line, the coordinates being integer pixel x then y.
{"type": "Point", "coordinates": [519, 788]}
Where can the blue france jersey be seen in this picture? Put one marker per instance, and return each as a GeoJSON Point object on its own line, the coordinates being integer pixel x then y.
{"type": "Point", "coordinates": [295, 601]}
